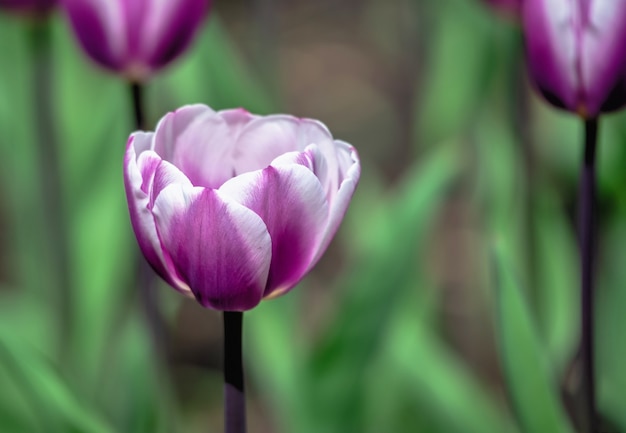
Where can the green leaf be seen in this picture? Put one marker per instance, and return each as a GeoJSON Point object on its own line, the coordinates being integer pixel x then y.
{"type": "Point", "coordinates": [440, 384]}
{"type": "Point", "coordinates": [380, 275]}
{"type": "Point", "coordinates": [532, 388]}
{"type": "Point", "coordinates": [449, 98]}
{"type": "Point", "coordinates": [278, 363]}
{"type": "Point", "coordinates": [610, 324]}
{"type": "Point", "coordinates": [557, 277]}
{"type": "Point", "coordinates": [54, 403]}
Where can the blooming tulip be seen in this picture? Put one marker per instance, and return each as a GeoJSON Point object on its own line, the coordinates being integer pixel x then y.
{"type": "Point", "coordinates": [135, 37]}
{"type": "Point", "coordinates": [577, 52]}
{"type": "Point", "coordinates": [28, 6]}
{"type": "Point", "coordinates": [232, 207]}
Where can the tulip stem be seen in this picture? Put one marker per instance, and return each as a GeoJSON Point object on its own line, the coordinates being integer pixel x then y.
{"type": "Point", "coordinates": [234, 395]}
{"type": "Point", "coordinates": [587, 194]}
{"type": "Point", "coordinates": [50, 173]}
{"type": "Point", "coordinates": [137, 95]}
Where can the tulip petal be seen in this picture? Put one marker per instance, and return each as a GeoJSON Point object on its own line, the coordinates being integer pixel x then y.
{"type": "Point", "coordinates": [350, 172]}
{"type": "Point", "coordinates": [139, 174]}
{"type": "Point", "coordinates": [204, 151]}
{"type": "Point", "coordinates": [100, 30]}
{"type": "Point", "coordinates": [221, 249]}
{"type": "Point", "coordinates": [282, 133]}
{"type": "Point", "coordinates": [291, 202]}
{"type": "Point", "coordinates": [171, 26]}
{"type": "Point", "coordinates": [173, 124]}
{"type": "Point", "coordinates": [551, 50]}
{"type": "Point", "coordinates": [603, 52]}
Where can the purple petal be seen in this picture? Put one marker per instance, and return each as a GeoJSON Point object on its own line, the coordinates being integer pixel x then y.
{"type": "Point", "coordinates": [349, 174]}
{"type": "Point", "coordinates": [221, 249]}
{"type": "Point", "coordinates": [173, 124]}
{"type": "Point", "coordinates": [100, 30]}
{"type": "Point", "coordinates": [291, 202]}
{"type": "Point", "coordinates": [266, 138]}
{"type": "Point", "coordinates": [170, 28]}
{"type": "Point", "coordinates": [552, 50]}
{"type": "Point", "coordinates": [165, 175]}
{"type": "Point", "coordinates": [204, 151]}
{"type": "Point", "coordinates": [133, 13]}
{"type": "Point", "coordinates": [603, 53]}
{"type": "Point", "coordinates": [263, 140]}
{"type": "Point", "coordinates": [138, 179]}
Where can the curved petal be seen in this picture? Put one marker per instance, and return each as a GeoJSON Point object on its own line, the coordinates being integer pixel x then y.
{"type": "Point", "coordinates": [138, 179]}
{"type": "Point", "coordinates": [291, 202]}
{"type": "Point", "coordinates": [166, 174]}
{"type": "Point", "coordinates": [100, 30]}
{"type": "Point", "coordinates": [172, 125]}
{"type": "Point", "coordinates": [305, 159]}
{"type": "Point", "coordinates": [220, 248]}
{"type": "Point", "coordinates": [203, 151]}
{"type": "Point", "coordinates": [133, 13]}
{"type": "Point", "coordinates": [603, 53]}
{"type": "Point", "coordinates": [169, 29]}
{"type": "Point", "coordinates": [264, 139]}
{"type": "Point", "coordinates": [551, 48]}
{"type": "Point", "coordinates": [325, 154]}
{"type": "Point", "coordinates": [350, 173]}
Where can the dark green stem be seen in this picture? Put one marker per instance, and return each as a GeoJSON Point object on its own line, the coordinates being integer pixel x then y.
{"type": "Point", "coordinates": [50, 172]}
{"type": "Point", "coordinates": [587, 244]}
{"type": "Point", "coordinates": [137, 96]}
{"type": "Point", "coordinates": [234, 394]}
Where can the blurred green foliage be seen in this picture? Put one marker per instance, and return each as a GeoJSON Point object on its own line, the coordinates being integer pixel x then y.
{"type": "Point", "coordinates": [455, 305]}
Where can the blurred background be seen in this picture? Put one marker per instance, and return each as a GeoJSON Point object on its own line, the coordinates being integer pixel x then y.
{"type": "Point", "coordinates": [448, 301]}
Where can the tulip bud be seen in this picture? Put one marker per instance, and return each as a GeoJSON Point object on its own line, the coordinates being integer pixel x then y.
{"type": "Point", "coordinates": [233, 208]}
{"type": "Point", "coordinates": [135, 37]}
{"type": "Point", "coordinates": [576, 52]}
{"type": "Point", "coordinates": [30, 7]}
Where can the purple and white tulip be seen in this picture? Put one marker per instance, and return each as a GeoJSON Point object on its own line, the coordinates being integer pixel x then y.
{"type": "Point", "coordinates": [576, 52]}
{"type": "Point", "coordinates": [34, 7]}
{"type": "Point", "coordinates": [232, 207]}
{"type": "Point", "coordinates": [135, 37]}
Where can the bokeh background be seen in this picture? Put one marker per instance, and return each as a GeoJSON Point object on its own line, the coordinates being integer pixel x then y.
{"type": "Point", "coordinates": [448, 301]}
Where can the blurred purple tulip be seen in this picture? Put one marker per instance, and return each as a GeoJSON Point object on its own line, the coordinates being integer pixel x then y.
{"type": "Point", "coordinates": [232, 207]}
{"type": "Point", "coordinates": [576, 52]}
{"type": "Point", "coordinates": [36, 7]}
{"type": "Point", "coordinates": [135, 37]}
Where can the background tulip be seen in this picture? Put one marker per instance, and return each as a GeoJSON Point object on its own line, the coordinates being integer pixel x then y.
{"type": "Point", "coordinates": [135, 37]}
{"type": "Point", "coordinates": [233, 207]}
{"type": "Point", "coordinates": [576, 53]}
{"type": "Point", "coordinates": [29, 6]}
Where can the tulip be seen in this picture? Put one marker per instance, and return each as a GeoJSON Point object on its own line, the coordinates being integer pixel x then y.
{"type": "Point", "coordinates": [232, 207]}
{"type": "Point", "coordinates": [135, 37]}
{"type": "Point", "coordinates": [37, 7]}
{"type": "Point", "coordinates": [576, 53]}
